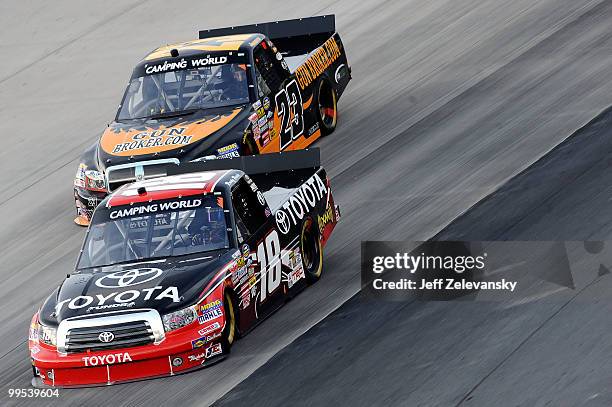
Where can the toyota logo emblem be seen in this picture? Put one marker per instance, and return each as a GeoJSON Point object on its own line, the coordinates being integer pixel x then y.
{"type": "Point", "coordinates": [106, 337]}
{"type": "Point", "coordinates": [128, 278]}
{"type": "Point", "coordinates": [282, 221]}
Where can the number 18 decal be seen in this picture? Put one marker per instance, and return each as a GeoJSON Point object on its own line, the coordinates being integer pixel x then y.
{"type": "Point", "coordinates": [268, 254]}
{"type": "Point", "coordinates": [291, 113]}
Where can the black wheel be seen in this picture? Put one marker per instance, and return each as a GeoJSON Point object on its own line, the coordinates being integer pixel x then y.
{"type": "Point", "coordinates": [230, 332]}
{"type": "Point", "coordinates": [312, 253]}
{"type": "Point", "coordinates": [327, 107]}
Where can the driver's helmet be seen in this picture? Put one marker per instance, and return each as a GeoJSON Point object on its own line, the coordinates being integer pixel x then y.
{"type": "Point", "coordinates": [210, 223]}
{"type": "Point", "coordinates": [233, 72]}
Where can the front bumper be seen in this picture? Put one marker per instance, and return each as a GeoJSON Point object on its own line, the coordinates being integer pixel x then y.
{"type": "Point", "coordinates": [179, 352]}
{"type": "Point", "coordinates": [61, 375]}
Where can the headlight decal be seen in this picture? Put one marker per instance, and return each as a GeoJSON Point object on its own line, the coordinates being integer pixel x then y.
{"type": "Point", "coordinates": [179, 319]}
{"type": "Point", "coordinates": [47, 334]}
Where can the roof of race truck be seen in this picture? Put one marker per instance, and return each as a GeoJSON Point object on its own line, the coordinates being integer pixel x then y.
{"type": "Point", "coordinates": [174, 186]}
{"type": "Point", "coordinates": [232, 42]}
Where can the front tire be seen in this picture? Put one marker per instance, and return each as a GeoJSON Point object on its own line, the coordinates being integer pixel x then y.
{"type": "Point", "coordinates": [230, 332]}
{"type": "Point", "coordinates": [312, 252]}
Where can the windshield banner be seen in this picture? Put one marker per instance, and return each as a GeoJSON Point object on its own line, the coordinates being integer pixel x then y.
{"type": "Point", "coordinates": [191, 62]}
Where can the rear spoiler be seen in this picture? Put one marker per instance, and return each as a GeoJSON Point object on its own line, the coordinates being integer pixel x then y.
{"type": "Point", "coordinates": [300, 27]}
{"type": "Point", "coordinates": [255, 164]}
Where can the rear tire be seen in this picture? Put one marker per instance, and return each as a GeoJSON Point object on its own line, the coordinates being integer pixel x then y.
{"type": "Point", "coordinates": [327, 107]}
{"type": "Point", "coordinates": [311, 250]}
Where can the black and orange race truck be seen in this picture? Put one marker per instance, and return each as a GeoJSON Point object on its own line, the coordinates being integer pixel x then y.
{"type": "Point", "coordinates": [173, 270]}
{"type": "Point", "coordinates": [236, 91]}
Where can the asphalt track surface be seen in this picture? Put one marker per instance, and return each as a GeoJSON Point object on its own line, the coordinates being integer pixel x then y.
{"type": "Point", "coordinates": [450, 99]}
{"type": "Point", "coordinates": [546, 346]}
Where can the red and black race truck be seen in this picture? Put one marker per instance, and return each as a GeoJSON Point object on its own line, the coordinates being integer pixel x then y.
{"type": "Point", "coordinates": [173, 270]}
{"type": "Point", "coordinates": [235, 91]}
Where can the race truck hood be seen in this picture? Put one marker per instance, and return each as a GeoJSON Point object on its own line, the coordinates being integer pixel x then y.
{"type": "Point", "coordinates": [186, 137]}
{"type": "Point", "coordinates": [164, 285]}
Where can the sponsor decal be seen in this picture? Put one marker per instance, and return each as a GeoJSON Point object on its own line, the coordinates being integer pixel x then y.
{"type": "Point", "coordinates": [211, 305]}
{"type": "Point", "coordinates": [159, 220]}
{"type": "Point", "coordinates": [177, 361]}
{"type": "Point", "coordinates": [298, 205]}
{"type": "Point", "coordinates": [261, 122]}
{"type": "Point", "coordinates": [106, 337]}
{"type": "Point", "coordinates": [118, 299]}
{"type": "Point", "coordinates": [313, 128]}
{"type": "Point", "coordinates": [195, 358]}
{"type": "Point", "coordinates": [128, 278]}
{"type": "Point", "coordinates": [325, 219]}
{"type": "Point", "coordinates": [183, 64]}
{"type": "Point", "coordinates": [282, 222]}
{"type": "Point", "coordinates": [210, 315]}
{"type": "Point", "coordinates": [112, 306]}
{"type": "Point", "coordinates": [34, 350]}
{"type": "Point", "coordinates": [293, 260]}
{"type": "Point", "coordinates": [257, 105]}
{"type": "Point", "coordinates": [238, 275]}
{"type": "Point", "coordinates": [318, 62]}
{"type": "Point", "coordinates": [107, 359]}
{"type": "Point", "coordinates": [166, 66]}
{"type": "Point", "coordinates": [266, 103]}
{"type": "Point", "coordinates": [261, 199]}
{"type": "Point", "coordinates": [123, 140]}
{"type": "Point", "coordinates": [79, 179]}
{"type": "Point", "coordinates": [233, 179]}
{"type": "Point", "coordinates": [209, 328]}
{"type": "Point", "coordinates": [33, 333]}
{"type": "Point", "coordinates": [246, 299]}
{"type": "Point", "coordinates": [265, 138]}
{"type": "Point", "coordinates": [295, 276]}
{"type": "Point", "coordinates": [198, 343]}
{"type": "Point", "coordinates": [154, 207]}
{"type": "Point", "coordinates": [254, 117]}
{"type": "Point", "coordinates": [156, 138]}
{"type": "Point", "coordinates": [213, 350]}
{"type": "Point", "coordinates": [196, 63]}
{"type": "Point", "coordinates": [229, 151]}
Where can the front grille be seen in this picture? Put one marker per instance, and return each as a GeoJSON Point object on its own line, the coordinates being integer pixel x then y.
{"type": "Point", "coordinates": [126, 173]}
{"type": "Point", "coordinates": [125, 335]}
{"type": "Point", "coordinates": [129, 328]}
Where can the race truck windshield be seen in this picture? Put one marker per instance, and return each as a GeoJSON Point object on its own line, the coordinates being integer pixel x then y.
{"type": "Point", "coordinates": [155, 230]}
{"type": "Point", "coordinates": [158, 94]}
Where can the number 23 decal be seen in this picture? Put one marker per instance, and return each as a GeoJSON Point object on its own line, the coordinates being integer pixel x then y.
{"type": "Point", "coordinates": [291, 113]}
